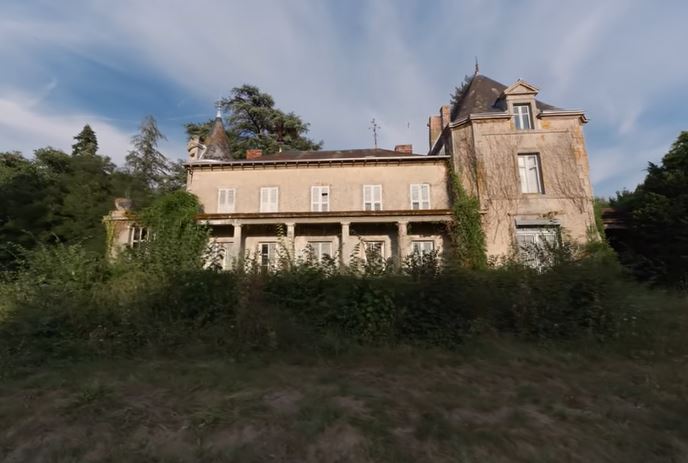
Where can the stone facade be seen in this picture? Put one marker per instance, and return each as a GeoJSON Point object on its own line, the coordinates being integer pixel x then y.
{"type": "Point", "coordinates": [525, 161]}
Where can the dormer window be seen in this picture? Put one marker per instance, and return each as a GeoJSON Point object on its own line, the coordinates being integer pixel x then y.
{"type": "Point", "coordinates": [522, 117]}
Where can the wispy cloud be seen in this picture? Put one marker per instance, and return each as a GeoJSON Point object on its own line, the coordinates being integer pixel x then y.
{"type": "Point", "coordinates": [338, 64]}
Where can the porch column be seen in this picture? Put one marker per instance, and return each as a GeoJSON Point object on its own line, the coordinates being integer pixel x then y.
{"type": "Point", "coordinates": [238, 242]}
{"type": "Point", "coordinates": [402, 241]}
{"type": "Point", "coordinates": [291, 244]}
{"type": "Point", "coordinates": [344, 250]}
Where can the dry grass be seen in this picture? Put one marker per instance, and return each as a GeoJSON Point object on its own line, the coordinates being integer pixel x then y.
{"type": "Point", "coordinates": [498, 402]}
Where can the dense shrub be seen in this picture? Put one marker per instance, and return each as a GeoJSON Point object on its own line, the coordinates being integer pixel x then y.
{"type": "Point", "coordinates": [65, 302]}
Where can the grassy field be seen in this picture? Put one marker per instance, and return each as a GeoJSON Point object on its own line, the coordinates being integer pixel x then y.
{"type": "Point", "coordinates": [499, 401]}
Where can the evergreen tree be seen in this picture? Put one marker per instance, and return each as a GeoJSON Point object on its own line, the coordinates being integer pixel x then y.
{"type": "Point", "coordinates": [145, 161]}
{"type": "Point", "coordinates": [86, 142]}
{"type": "Point", "coordinates": [656, 247]}
{"type": "Point", "coordinates": [255, 122]}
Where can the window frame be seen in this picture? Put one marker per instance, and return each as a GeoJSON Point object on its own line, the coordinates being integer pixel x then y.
{"type": "Point", "coordinates": [324, 191]}
{"type": "Point", "coordinates": [276, 204]}
{"type": "Point", "coordinates": [367, 244]}
{"type": "Point", "coordinates": [525, 186]}
{"type": "Point", "coordinates": [421, 202]}
{"type": "Point", "coordinates": [135, 241]}
{"type": "Point", "coordinates": [226, 210]}
{"type": "Point", "coordinates": [520, 116]}
{"type": "Point", "coordinates": [317, 246]}
{"type": "Point", "coordinates": [540, 234]}
{"type": "Point", "coordinates": [271, 254]}
{"type": "Point", "coordinates": [420, 250]}
{"type": "Point", "coordinates": [373, 188]}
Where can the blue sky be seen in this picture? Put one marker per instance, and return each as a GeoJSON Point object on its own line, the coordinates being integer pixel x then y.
{"type": "Point", "coordinates": [338, 64]}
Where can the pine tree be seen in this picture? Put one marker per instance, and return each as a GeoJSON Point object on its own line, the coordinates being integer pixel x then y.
{"type": "Point", "coordinates": [86, 143]}
{"type": "Point", "coordinates": [255, 122]}
{"type": "Point", "coordinates": [145, 161]}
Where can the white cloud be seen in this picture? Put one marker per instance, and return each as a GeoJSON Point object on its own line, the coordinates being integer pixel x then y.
{"type": "Point", "coordinates": [340, 64]}
{"type": "Point", "coordinates": [26, 128]}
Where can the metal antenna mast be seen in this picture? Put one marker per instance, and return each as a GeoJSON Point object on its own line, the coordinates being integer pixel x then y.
{"type": "Point", "coordinates": [374, 127]}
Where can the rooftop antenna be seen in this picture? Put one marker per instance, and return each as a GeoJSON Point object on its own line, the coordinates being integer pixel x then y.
{"type": "Point", "coordinates": [477, 67]}
{"type": "Point", "coordinates": [374, 127]}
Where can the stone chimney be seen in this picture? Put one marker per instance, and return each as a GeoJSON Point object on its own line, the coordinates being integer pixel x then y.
{"type": "Point", "coordinates": [434, 129]}
{"type": "Point", "coordinates": [404, 149]}
{"type": "Point", "coordinates": [254, 153]}
{"type": "Point", "coordinates": [194, 147]}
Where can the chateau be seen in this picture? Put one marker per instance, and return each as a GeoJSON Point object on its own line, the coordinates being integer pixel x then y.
{"type": "Point", "coordinates": [524, 160]}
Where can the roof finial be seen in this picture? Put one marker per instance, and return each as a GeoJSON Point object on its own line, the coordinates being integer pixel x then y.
{"type": "Point", "coordinates": [218, 114]}
{"type": "Point", "coordinates": [477, 67]}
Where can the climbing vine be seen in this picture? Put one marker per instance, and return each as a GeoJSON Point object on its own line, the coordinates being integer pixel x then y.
{"type": "Point", "coordinates": [466, 229]}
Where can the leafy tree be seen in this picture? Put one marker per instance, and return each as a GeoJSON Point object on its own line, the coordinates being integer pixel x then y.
{"type": "Point", "coordinates": [255, 122]}
{"type": "Point", "coordinates": [145, 161]}
{"type": "Point", "coordinates": [656, 247]}
{"type": "Point", "coordinates": [86, 142]}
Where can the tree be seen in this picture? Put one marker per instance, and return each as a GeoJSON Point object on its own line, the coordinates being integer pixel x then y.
{"type": "Point", "coordinates": [145, 161]}
{"type": "Point", "coordinates": [86, 142]}
{"type": "Point", "coordinates": [656, 247]}
{"type": "Point", "coordinates": [255, 122]}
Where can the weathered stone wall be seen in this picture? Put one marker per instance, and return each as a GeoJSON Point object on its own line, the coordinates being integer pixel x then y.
{"type": "Point", "coordinates": [490, 169]}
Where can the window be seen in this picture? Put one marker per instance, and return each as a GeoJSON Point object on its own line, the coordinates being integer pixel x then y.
{"type": "Point", "coordinates": [372, 197]}
{"type": "Point", "coordinates": [267, 254]}
{"type": "Point", "coordinates": [226, 199]}
{"type": "Point", "coordinates": [374, 249]}
{"type": "Point", "coordinates": [522, 119]}
{"type": "Point", "coordinates": [420, 196]}
{"type": "Point", "coordinates": [269, 198]}
{"type": "Point", "coordinates": [321, 249]}
{"type": "Point", "coordinates": [535, 242]}
{"type": "Point", "coordinates": [320, 198]}
{"type": "Point", "coordinates": [423, 247]}
{"type": "Point", "coordinates": [137, 235]}
{"type": "Point", "coordinates": [529, 172]}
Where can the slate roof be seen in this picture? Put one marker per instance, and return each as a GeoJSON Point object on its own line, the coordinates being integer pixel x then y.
{"type": "Point", "coordinates": [484, 95]}
{"type": "Point", "coordinates": [217, 143]}
{"type": "Point", "coordinates": [305, 156]}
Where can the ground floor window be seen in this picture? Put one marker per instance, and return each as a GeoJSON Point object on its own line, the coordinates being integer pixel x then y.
{"type": "Point", "coordinates": [422, 247]}
{"type": "Point", "coordinates": [321, 249]}
{"type": "Point", "coordinates": [267, 254]}
{"type": "Point", "coordinates": [137, 235]}
{"type": "Point", "coordinates": [535, 243]}
{"type": "Point", "coordinates": [374, 249]}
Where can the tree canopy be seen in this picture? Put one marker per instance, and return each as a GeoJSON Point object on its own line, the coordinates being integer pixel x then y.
{"type": "Point", "coordinates": [656, 247]}
{"type": "Point", "coordinates": [253, 122]}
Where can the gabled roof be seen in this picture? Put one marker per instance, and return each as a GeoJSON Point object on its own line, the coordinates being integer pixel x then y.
{"type": "Point", "coordinates": [485, 95]}
{"type": "Point", "coordinates": [217, 143]}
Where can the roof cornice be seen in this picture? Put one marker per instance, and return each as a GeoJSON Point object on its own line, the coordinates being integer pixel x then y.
{"type": "Point", "coordinates": [270, 162]}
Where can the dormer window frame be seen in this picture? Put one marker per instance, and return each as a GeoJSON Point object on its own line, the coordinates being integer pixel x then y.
{"type": "Point", "coordinates": [522, 93]}
{"type": "Point", "coordinates": [520, 116]}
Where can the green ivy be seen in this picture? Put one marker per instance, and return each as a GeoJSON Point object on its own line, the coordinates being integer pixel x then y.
{"type": "Point", "coordinates": [466, 231]}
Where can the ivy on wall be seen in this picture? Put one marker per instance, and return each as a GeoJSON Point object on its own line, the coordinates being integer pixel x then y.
{"type": "Point", "coordinates": [466, 231]}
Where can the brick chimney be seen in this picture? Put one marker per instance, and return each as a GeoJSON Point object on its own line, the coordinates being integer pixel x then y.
{"type": "Point", "coordinates": [253, 154]}
{"type": "Point", "coordinates": [435, 129]}
{"type": "Point", "coordinates": [445, 111]}
{"type": "Point", "coordinates": [404, 149]}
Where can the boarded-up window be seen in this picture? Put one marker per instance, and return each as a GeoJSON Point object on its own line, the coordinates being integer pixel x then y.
{"type": "Point", "coordinates": [269, 199]}
{"type": "Point", "coordinates": [420, 196]}
{"type": "Point", "coordinates": [226, 200]}
{"type": "Point", "coordinates": [320, 198]}
{"type": "Point", "coordinates": [372, 197]}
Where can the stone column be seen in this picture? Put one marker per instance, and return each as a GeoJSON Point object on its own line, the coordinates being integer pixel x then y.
{"type": "Point", "coordinates": [238, 242]}
{"type": "Point", "coordinates": [402, 241]}
{"type": "Point", "coordinates": [344, 249]}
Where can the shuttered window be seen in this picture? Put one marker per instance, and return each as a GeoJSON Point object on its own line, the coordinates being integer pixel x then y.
{"type": "Point", "coordinates": [420, 196]}
{"type": "Point", "coordinates": [529, 173]}
{"type": "Point", "coordinates": [269, 199]}
{"type": "Point", "coordinates": [320, 198]}
{"type": "Point", "coordinates": [372, 197]}
{"type": "Point", "coordinates": [226, 199]}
